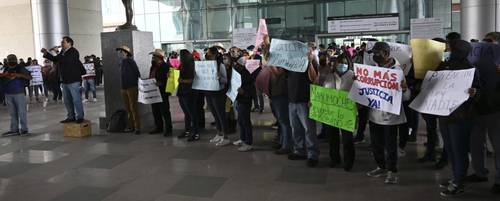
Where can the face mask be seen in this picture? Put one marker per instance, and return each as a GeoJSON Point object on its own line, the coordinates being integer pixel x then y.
{"type": "Point", "coordinates": [12, 63]}
{"type": "Point", "coordinates": [446, 56]}
{"type": "Point", "coordinates": [342, 68]}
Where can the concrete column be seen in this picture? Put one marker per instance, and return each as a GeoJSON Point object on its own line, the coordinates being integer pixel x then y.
{"type": "Point", "coordinates": [479, 17]}
{"type": "Point", "coordinates": [50, 22]}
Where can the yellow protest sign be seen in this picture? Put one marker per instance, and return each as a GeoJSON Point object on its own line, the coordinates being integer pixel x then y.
{"type": "Point", "coordinates": [173, 80]}
{"type": "Point", "coordinates": [427, 55]}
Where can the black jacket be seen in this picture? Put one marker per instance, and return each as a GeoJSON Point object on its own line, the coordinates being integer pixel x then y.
{"type": "Point", "coordinates": [129, 73]}
{"type": "Point", "coordinates": [70, 67]}
{"type": "Point", "coordinates": [247, 85]}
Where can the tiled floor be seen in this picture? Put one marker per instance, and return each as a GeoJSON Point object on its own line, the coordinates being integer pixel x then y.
{"type": "Point", "coordinates": [124, 167]}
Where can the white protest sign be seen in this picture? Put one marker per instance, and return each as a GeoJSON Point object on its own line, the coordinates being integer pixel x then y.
{"type": "Point", "coordinates": [149, 93]}
{"type": "Point", "coordinates": [232, 93]}
{"type": "Point", "coordinates": [427, 28]}
{"type": "Point", "coordinates": [400, 52]}
{"type": "Point", "coordinates": [244, 37]}
{"type": "Point", "coordinates": [206, 76]}
{"type": "Point", "coordinates": [290, 55]}
{"type": "Point", "coordinates": [89, 69]}
{"type": "Point", "coordinates": [378, 88]}
{"type": "Point", "coordinates": [36, 74]}
{"type": "Point", "coordinates": [252, 65]}
{"type": "Point", "coordinates": [443, 91]}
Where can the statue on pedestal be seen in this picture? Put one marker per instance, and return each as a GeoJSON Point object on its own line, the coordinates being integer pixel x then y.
{"type": "Point", "coordinates": [129, 14]}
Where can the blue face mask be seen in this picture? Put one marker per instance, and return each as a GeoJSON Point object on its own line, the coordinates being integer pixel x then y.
{"type": "Point", "coordinates": [342, 68]}
{"type": "Point", "coordinates": [446, 56]}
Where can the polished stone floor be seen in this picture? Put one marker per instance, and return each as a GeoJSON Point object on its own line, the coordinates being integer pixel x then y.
{"type": "Point", "coordinates": [45, 166]}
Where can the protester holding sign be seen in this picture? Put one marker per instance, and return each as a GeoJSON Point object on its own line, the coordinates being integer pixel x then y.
{"type": "Point", "coordinates": [186, 95]}
{"type": "Point", "coordinates": [89, 80]}
{"type": "Point", "coordinates": [161, 111]}
{"type": "Point", "coordinates": [217, 99]}
{"type": "Point", "coordinates": [488, 108]}
{"type": "Point", "coordinates": [15, 96]}
{"type": "Point", "coordinates": [338, 76]}
{"type": "Point", "coordinates": [383, 124]}
{"type": "Point", "coordinates": [457, 127]}
{"type": "Point", "coordinates": [129, 90]}
{"type": "Point", "coordinates": [246, 93]}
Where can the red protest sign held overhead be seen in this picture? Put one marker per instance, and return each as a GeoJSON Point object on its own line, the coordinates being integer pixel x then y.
{"type": "Point", "coordinates": [261, 33]}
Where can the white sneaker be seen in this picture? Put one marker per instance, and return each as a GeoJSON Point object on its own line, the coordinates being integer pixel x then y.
{"type": "Point", "coordinates": [85, 100]}
{"type": "Point", "coordinates": [238, 143]}
{"type": "Point", "coordinates": [391, 178]}
{"type": "Point", "coordinates": [223, 142]}
{"type": "Point", "coordinates": [245, 147]}
{"type": "Point", "coordinates": [216, 139]}
{"type": "Point", "coordinates": [94, 100]}
{"type": "Point", "coordinates": [401, 153]}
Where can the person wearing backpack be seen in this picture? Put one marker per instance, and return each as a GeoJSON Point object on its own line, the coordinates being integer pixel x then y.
{"type": "Point", "coordinates": [130, 75]}
{"type": "Point", "coordinates": [15, 96]}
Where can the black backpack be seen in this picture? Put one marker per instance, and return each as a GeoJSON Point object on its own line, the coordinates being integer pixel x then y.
{"type": "Point", "coordinates": [117, 122]}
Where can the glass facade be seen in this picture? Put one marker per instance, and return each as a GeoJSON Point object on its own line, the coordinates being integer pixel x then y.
{"type": "Point", "coordinates": [181, 21]}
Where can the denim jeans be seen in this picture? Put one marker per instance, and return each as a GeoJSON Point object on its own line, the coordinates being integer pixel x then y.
{"type": "Point", "coordinates": [485, 124]}
{"type": "Point", "coordinates": [384, 139]}
{"type": "Point", "coordinates": [362, 120]}
{"type": "Point", "coordinates": [217, 104]}
{"type": "Point", "coordinates": [456, 137]}
{"type": "Point", "coordinates": [16, 105]}
{"type": "Point", "coordinates": [280, 107]}
{"type": "Point", "coordinates": [303, 131]}
{"type": "Point", "coordinates": [188, 106]}
{"type": "Point", "coordinates": [89, 85]}
{"type": "Point", "coordinates": [73, 100]}
{"type": "Point", "coordinates": [244, 109]}
{"type": "Point", "coordinates": [37, 89]}
{"type": "Point", "coordinates": [56, 90]}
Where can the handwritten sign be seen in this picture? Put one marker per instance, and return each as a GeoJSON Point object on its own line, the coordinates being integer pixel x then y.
{"type": "Point", "coordinates": [400, 52]}
{"type": "Point", "coordinates": [206, 76]}
{"type": "Point", "coordinates": [485, 56]}
{"type": "Point", "coordinates": [332, 107]}
{"type": "Point", "coordinates": [244, 37]}
{"type": "Point", "coordinates": [378, 88]}
{"type": "Point", "coordinates": [232, 93]}
{"type": "Point", "coordinates": [427, 55]}
{"type": "Point", "coordinates": [172, 80]}
{"type": "Point", "coordinates": [148, 92]}
{"type": "Point", "coordinates": [261, 33]}
{"type": "Point", "coordinates": [89, 70]}
{"type": "Point", "coordinates": [291, 55]}
{"type": "Point", "coordinates": [36, 74]}
{"type": "Point", "coordinates": [443, 91]}
{"type": "Point", "coordinates": [252, 65]}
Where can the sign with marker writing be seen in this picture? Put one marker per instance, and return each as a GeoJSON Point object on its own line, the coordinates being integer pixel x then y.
{"type": "Point", "coordinates": [149, 93]}
{"type": "Point", "coordinates": [485, 56]}
{"type": "Point", "coordinates": [89, 70]}
{"type": "Point", "coordinates": [427, 55]}
{"type": "Point", "coordinates": [244, 37]}
{"type": "Point", "coordinates": [232, 93]}
{"type": "Point", "coordinates": [400, 52]}
{"type": "Point", "coordinates": [252, 65]}
{"type": "Point", "coordinates": [36, 74]}
{"type": "Point", "coordinates": [290, 55]}
{"type": "Point", "coordinates": [205, 77]}
{"type": "Point", "coordinates": [443, 92]}
{"type": "Point", "coordinates": [378, 88]}
{"type": "Point", "coordinates": [332, 107]}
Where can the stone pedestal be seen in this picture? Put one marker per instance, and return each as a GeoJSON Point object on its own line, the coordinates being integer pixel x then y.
{"type": "Point", "coordinates": [140, 43]}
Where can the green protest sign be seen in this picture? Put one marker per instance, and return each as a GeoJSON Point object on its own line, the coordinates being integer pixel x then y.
{"type": "Point", "coordinates": [332, 107]}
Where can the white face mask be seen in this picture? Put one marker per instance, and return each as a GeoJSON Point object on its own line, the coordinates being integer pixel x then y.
{"type": "Point", "coordinates": [446, 56]}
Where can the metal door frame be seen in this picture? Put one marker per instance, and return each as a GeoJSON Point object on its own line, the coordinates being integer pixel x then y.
{"type": "Point", "coordinates": [336, 35]}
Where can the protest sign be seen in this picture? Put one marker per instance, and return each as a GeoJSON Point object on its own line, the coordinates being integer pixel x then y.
{"type": "Point", "coordinates": [172, 80]}
{"type": "Point", "coordinates": [244, 37]}
{"type": "Point", "coordinates": [291, 55]}
{"type": "Point", "coordinates": [332, 107]}
{"type": "Point", "coordinates": [36, 74]}
{"type": "Point", "coordinates": [443, 91]}
{"type": "Point", "coordinates": [427, 55]}
{"type": "Point", "coordinates": [89, 69]}
{"type": "Point", "coordinates": [400, 52]}
{"type": "Point", "coordinates": [261, 33]}
{"type": "Point", "coordinates": [485, 56]}
{"type": "Point", "coordinates": [378, 88]}
{"type": "Point", "coordinates": [148, 92]}
{"type": "Point", "coordinates": [252, 65]}
{"type": "Point", "coordinates": [427, 28]}
{"type": "Point", "coordinates": [206, 76]}
{"type": "Point", "coordinates": [232, 93]}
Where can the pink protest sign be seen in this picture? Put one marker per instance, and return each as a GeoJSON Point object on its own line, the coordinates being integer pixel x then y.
{"type": "Point", "coordinates": [260, 33]}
